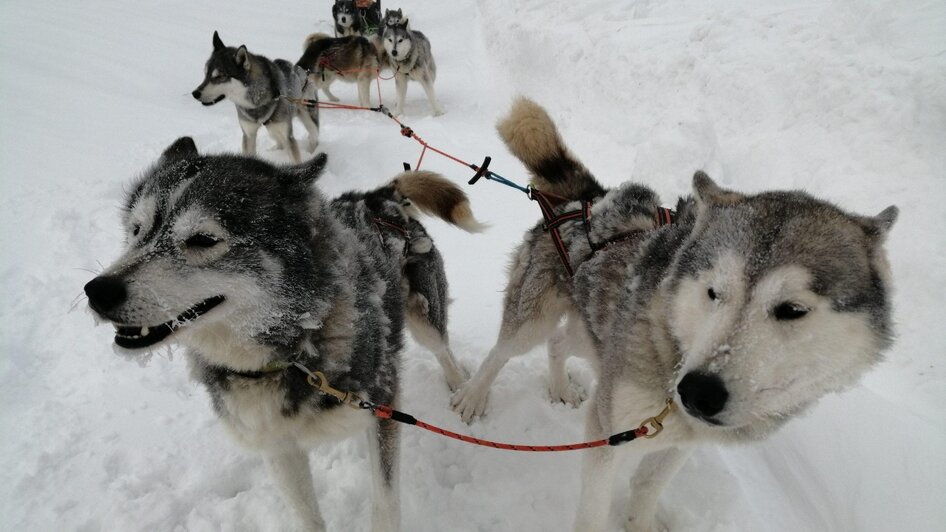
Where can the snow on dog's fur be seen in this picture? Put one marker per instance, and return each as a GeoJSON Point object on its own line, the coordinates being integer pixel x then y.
{"type": "Point", "coordinates": [251, 268]}
{"type": "Point", "coordinates": [744, 313]}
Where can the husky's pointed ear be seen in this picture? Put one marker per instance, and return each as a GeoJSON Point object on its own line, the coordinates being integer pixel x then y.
{"type": "Point", "coordinates": [218, 43]}
{"type": "Point", "coordinates": [180, 149]}
{"type": "Point", "coordinates": [242, 57]}
{"type": "Point", "coordinates": [707, 192]}
{"type": "Point", "coordinates": [878, 226]}
{"type": "Point", "coordinates": [306, 173]}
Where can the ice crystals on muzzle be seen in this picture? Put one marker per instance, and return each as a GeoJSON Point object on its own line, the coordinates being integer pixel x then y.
{"type": "Point", "coordinates": [133, 337]}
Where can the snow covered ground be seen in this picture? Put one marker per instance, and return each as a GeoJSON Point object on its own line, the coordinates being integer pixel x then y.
{"type": "Point", "coordinates": [846, 99]}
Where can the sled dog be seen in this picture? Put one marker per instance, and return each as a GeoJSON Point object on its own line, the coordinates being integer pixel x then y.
{"type": "Point", "coordinates": [252, 269]}
{"type": "Point", "coordinates": [347, 21]}
{"type": "Point", "coordinates": [408, 54]}
{"type": "Point", "coordinates": [353, 59]}
{"type": "Point", "coordinates": [743, 314]}
{"type": "Point", "coordinates": [258, 87]}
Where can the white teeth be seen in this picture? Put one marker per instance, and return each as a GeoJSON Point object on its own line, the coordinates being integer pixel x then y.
{"type": "Point", "coordinates": [144, 331]}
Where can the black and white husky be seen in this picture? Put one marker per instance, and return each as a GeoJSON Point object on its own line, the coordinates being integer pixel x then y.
{"type": "Point", "coordinates": [409, 56]}
{"type": "Point", "coordinates": [251, 269]}
{"type": "Point", "coordinates": [259, 88]}
{"type": "Point", "coordinates": [744, 313]}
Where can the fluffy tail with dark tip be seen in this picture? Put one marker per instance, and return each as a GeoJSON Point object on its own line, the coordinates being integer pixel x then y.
{"type": "Point", "coordinates": [531, 136]}
{"type": "Point", "coordinates": [433, 194]}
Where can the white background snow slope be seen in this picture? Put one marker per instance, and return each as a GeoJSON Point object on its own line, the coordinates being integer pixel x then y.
{"type": "Point", "coordinates": [845, 99]}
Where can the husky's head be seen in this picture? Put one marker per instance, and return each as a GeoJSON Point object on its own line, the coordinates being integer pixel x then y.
{"type": "Point", "coordinates": [218, 247]}
{"type": "Point", "coordinates": [225, 75]}
{"type": "Point", "coordinates": [393, 17]}
{"type": "Point", "coordinates": [344, 13]}
{"type": "Point", "coordinates": [773, 301]}
{"type": "Point", "coordinates": [397, 40]}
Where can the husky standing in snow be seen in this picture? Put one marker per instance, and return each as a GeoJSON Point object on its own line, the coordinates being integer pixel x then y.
{"type": "Point", "coordinates": [409, 56]}
{"type": "Point", "coordinates": [258, 87]}
{"type": "Point", "coordinates": [250, 268]}
{"type": "Point", "coordinates": [744, 315]}
{"type": "Point", "coordinates": [353, 59]}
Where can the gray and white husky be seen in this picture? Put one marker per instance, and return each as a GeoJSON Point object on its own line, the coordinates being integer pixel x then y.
{"type": "Point", "coordinates": [744, 313]}
{"type": "Point", "coordinates": [259, 89]}
{"type": "Point", "coordinates": [408, 54]}
{"type": "Point", "coordinates": [251, 268]}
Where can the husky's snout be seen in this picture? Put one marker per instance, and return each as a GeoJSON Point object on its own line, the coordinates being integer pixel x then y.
{"type": "Point", "coordinates": [703, 395]}
{"type": "Point", "coordinates": [105, 293]}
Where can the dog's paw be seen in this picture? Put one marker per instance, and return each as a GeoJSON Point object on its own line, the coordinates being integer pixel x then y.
{"type": "Point", "coordinates": [455, 379]}
{"type": "Point", "coordinates": [438, 112]}
{"type": "Point", "coordinates": [572, 394]}
{"type": "Point", "coordinates": [313, 145]}
{"type": "Point", "coordinates": [333, 98]}
{"type": "Point", "coordinates": [470, 401]}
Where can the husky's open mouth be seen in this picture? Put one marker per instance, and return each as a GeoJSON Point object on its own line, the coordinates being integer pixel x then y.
{"type": "Point", "coordinates": [218, 100]}
{"type": "Point", "coordinates": [133, 337]}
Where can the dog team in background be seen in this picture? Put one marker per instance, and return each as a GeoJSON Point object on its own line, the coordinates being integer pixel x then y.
{"type": "Point", "coordinates": [744, 310]}
{"type": "Point", "coordinates": [264, 91]}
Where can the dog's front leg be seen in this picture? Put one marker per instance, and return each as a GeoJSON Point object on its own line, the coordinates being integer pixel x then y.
{"type": "Point", "coordinates": [384, 452]}
{"type": "Point", "coordinates": [400, 83]}
{"type": "Point", "coordinates": [249, 136]}
{"type": "Point", "coordinates": [282, 132]}
{"type": "Point", "coordinates": [597, 478]}
{"type": "Point", "coordinates": [289, 465]}
{"type": "Point", "coordinates": [364, 91]}
{"type": "Point", "coordinates": [652, 476]}
{"type": "Point", "coordinates": [328, 93]}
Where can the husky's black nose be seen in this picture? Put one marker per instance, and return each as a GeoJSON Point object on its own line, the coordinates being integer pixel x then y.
{"type": "Point", "coordinates": [703, 395]}
{"type": "Point", "coordinates": [105, 293]}
{"type": "Point", "coordinates": [196, 94]}
{"type": "Point", "coordinates": [394, 53]}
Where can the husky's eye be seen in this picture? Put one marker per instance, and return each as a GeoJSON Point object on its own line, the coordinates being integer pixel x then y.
{"type": "Point", "coordinates": [789, 311]}
{"type": "Point", "coordinates": [135, 230]}
{"type": "Point", "coordinates": [712, 294]}
{"type": "Point", "coordinates": [201, 240]}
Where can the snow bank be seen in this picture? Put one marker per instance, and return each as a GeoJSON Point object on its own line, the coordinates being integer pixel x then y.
{"type": "Point", "coordinates": [845, 99]}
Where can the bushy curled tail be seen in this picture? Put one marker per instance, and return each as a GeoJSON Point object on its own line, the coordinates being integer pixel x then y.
{"type": "Point", "coordinates": [313, 38]}
{"type": "Point", "coordinates": [531, 136]}
{"type": "Point", "coordinates": [433, 194]}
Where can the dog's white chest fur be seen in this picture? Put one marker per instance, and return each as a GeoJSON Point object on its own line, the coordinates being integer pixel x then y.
{"type": "Point", "coordinates": [253, 412]}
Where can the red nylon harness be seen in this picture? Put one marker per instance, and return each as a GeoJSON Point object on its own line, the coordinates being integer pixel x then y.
{"type": "Point", "coordinates": [662, 216]}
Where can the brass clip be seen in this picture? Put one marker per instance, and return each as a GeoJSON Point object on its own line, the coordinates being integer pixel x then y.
{"type": "Point", "coordinates": [656, 422]}
{"type": "Point", "coordinates": [317, 379]}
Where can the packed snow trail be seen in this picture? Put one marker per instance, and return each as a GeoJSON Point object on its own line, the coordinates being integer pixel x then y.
{"type": "Point", "coordinates": [845, 99]}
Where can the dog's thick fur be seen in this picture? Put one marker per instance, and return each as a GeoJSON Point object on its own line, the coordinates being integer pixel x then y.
{"type": "Point", "coordinates": [258, 87]}
{"type": "Point", "coordinates": [392, 17]}
{"type": "Point", "coordinates": [538, 293]}
{"type": "Point", "coordinates": [251, 268]}
{"type": "Point", "coordinates": [409, 55]}
{"type": "Point", "coordinates": [346, 17]}
{"type": "Point", "coordinates": [744, 313]}
{"type": "Point", "coordinates": [353, 59]}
